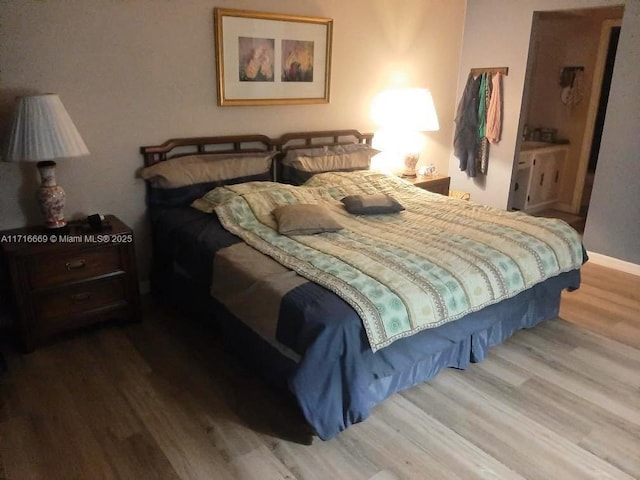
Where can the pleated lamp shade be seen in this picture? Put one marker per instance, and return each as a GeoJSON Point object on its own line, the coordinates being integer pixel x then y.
{"type": "Point", "coordinates": [409, 109]}
{"type": "Point", "coordinates": [402, 114]}
{"type": "Point", "coordinates": [42, 131]}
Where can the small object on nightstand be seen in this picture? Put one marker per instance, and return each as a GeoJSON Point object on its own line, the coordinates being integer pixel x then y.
{"type": "Point", "coordinates": [64, 281]}
{"type": "Point", "coordinates": [95, 222]}
{"type": "Point", "coordinates": [427, 170]}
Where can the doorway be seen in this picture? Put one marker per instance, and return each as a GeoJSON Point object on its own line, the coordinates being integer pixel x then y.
{"type": "Point", "coordinates": [583, 43]}
{"type": "Point", "coordinates": [610, 36]}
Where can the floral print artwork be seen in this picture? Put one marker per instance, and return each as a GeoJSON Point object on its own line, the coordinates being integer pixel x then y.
{"type": "Point", "coordinates": [256, 59]}
{"type": "Point", "coordinates": [297, 61]}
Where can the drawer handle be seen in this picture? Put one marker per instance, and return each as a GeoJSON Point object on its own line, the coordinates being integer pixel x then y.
{"type": "Point", "coordinates": [76, 265]}
{"type": "Point", "coordinates": [80, 297]}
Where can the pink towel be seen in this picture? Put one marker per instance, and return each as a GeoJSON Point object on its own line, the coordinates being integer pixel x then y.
{"type": "Point", "coordinates": [494, 113]}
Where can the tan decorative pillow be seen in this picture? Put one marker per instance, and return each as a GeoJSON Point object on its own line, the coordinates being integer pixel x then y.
{"type": "Point", "coordinates": [304, 219]}
{"type": "Point", "coordinates": [194, 169]}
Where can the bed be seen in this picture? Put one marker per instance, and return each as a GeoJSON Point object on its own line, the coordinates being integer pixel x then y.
{"type": "Point", "coordinates": [304, 324]}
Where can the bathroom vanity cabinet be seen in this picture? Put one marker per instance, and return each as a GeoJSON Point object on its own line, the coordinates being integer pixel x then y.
{"type": "Point", "coordinates": [539, 177]}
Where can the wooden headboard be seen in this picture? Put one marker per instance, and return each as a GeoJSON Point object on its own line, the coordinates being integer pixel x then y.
{"type": "Point", "coordinates": [320, 138]}
{"type": "Point", "coordinates": [180, 147]}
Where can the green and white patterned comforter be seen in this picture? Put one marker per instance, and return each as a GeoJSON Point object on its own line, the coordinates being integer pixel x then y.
{"type": "Point", "coordinates": [433, 263]}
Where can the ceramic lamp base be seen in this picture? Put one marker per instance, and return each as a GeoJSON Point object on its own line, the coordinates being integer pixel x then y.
{"type": "Point", "coordinates": [410, 161]}
{"type": "Point", "coordinates": [51, 196]}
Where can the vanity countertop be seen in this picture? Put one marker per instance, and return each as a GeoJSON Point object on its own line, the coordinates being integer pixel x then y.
{"type": "Point", "coordinates": [534, 145]}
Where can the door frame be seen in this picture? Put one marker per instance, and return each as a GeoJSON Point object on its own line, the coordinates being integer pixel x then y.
{"type": "Point", "coordinates": [594, 99]}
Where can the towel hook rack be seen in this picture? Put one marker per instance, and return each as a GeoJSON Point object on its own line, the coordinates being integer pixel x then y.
{"type": "Point", "coordinates": [480, 71]}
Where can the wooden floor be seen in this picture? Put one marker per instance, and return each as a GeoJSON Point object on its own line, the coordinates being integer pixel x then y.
{"type": "Point", "coordinates": [576, 221]}
{"type": "Point", "coordinates": [162, 400]}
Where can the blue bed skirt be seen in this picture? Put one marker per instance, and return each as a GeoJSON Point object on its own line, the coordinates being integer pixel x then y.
{"type": "Point", "coordinates": [336, 388]}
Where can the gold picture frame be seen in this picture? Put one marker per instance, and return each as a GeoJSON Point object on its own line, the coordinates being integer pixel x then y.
{"type": "Point", "coordinates": [271, 59]}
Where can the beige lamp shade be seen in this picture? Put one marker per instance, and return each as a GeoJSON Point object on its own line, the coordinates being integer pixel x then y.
{"type": "Point", "coordinates": [42, 131]}
{"type": "Point", "coordinates": [402, 114]}
{"type": "Point", "coordinates": [410, 109]}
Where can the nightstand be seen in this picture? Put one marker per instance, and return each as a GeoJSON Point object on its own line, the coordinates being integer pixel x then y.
{"type": "Point", "coordinates": [71, 278]}
{"type": "Point", "coordinates": [433, 183]}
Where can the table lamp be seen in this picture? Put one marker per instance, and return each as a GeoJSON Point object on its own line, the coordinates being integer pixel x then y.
{"type": "Point", "coordinates": [402, 115]}
{"type": "Point", "coordinates": [42, 131]}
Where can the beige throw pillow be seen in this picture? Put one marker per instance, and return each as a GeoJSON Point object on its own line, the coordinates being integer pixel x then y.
{"type": "Point", "coordinates": [304, 219]}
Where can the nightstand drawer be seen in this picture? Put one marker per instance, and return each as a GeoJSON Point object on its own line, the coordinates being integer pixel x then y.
{"type": "Point", "coordinates": [79, 299]}
{"type": "Point", "coordinates": [68, 267]}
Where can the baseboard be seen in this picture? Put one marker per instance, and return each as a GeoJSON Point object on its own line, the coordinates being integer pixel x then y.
{"type": "Point", "coordinates": [614, 263]}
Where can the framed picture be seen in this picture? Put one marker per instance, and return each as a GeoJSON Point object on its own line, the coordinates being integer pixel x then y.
{"type": "Point", "coordinates": [271, 59]}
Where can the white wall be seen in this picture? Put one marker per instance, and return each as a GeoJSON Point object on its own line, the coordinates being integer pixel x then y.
{"type": "Point", "coordinates": [613, 223]}
{"type": "Point", "coordinates": [135, 73]}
